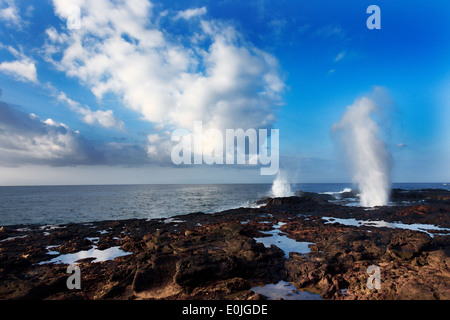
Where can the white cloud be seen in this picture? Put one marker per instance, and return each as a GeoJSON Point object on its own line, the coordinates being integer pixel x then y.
{"type": "Point", "coordinates": [27, 139]}
{"type": "Point", "coordinates": [331, 31]}
{"type": "Point", "coordinates": [22, 70]}
{"type": "Point", "coordinates": [340, 56]}
{"type": "Point", "coordinates": [153, 138]}
{"type": "Point", "coordinates": [9, 13]}
{"type": "Point", "coordinates": [190, 13]}
{"type": "Point", "coordinates": [29, 11]}
{"type": "Point", "coordinates": [120, 50]}
{"type": "Point", "coordinates": [105, 118]}
{"type": "Point", "coordinates": [278, 26]}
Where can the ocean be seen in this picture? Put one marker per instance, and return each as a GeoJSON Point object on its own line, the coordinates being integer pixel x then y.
{"type": "Point", "coordinates": [79, 204]}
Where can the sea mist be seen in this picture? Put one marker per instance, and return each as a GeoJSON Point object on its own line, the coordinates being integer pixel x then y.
{"type": "Point", "coordinates": [370, 163]}
{"type": "Point", "coordinates": [281, 186]}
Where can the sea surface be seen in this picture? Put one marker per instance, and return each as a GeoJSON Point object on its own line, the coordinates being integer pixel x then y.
{"type": "Point", "coordinates": [66, 204]}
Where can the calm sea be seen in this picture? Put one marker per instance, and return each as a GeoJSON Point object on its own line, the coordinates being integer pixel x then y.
{"type": "Point", "coordinates": [64, 204]}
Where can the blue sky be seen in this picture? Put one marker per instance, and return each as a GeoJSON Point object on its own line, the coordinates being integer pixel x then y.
{"type": "Point", "coordinates": [104, 98]}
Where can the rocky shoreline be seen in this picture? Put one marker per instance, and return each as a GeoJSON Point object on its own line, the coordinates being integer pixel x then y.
{"type": "Point", "coordinates": [221, 256]}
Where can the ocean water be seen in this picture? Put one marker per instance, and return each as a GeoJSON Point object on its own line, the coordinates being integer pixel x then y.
{"type": "Point", "coordinates": [65, 204]}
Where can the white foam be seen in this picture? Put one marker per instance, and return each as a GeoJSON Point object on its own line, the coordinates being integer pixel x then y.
{"type": "Point", "coordinates": [172, 220]}
{"type": "Point", "coordinates": [50, 227]}
{"type": "Point", "coordinates": [337, 192]}
{"type": "Point", "coordinates": [23, 229]}
{"type": "Point", "coordinates": [252, 205]}
{"type": "Point", "coordinates": [383, 224]}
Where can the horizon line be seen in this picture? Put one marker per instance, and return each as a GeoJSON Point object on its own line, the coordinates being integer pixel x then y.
{"type": "Point", "coordinates": [229, 183]}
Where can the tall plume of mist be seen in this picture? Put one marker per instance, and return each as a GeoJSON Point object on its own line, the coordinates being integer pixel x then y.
{"type": "Point", "coordinates": [370, 162]}
{"type": "Point", "coordinates": [281, 186]}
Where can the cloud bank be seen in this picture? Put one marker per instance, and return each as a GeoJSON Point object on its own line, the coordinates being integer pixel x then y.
{"type": "Point", "coordinates": [26, 139]}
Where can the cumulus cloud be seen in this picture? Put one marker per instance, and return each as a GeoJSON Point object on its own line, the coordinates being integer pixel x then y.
{"type": "Point", "coordinates": [219, 78]}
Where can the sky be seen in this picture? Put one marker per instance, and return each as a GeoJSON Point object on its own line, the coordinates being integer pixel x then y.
{"type": "Point", "coordinates": [91, 91]}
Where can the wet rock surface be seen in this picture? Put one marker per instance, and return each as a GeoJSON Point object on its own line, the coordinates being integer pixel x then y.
{"type": "Point", "coordinates": [216, 256]}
